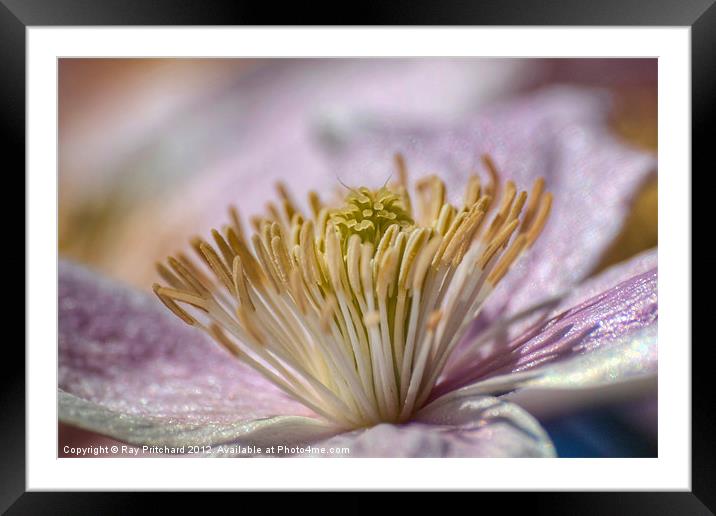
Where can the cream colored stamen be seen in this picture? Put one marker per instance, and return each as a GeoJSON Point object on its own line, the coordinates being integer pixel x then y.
{"type": "Point", "coordinates": [355, 309]}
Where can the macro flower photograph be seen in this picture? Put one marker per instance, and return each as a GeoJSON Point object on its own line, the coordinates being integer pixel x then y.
{"type": "Point", "coordinates": [367, 257]}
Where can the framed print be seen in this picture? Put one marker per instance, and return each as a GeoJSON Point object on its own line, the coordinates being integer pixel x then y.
{"type": "Point", "coordinates": [359, 258]}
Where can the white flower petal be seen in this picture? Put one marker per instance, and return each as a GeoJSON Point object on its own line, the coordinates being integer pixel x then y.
{"type": "Point", "coordinates": [153, 431]}
{"type": "Point", "coordinates": [478, 426]}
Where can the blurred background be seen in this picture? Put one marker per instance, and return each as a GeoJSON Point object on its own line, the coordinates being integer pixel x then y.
{"type": "Point", "coordinates": [137, 134]}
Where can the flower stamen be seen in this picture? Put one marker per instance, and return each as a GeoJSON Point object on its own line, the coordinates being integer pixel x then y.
{"type": "Point", "coordinates": [355, 309]}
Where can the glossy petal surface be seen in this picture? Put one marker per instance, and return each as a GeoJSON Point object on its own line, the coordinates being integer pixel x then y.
{"type": "Point", "coordinates": [141, 429]}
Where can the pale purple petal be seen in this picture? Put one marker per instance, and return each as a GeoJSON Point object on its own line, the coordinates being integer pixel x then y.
{"type": "Point", "coordinates": [608, 337]}
{"type": "Point", "coordinates": [282, 99]}
{"type": "Point", "coordinates": [480, 426]}
{"type": "Point", "coordinates": [142, 429]}
{"type": "Point", "coordinates": [591, 287]}
{"type": "Point", "coordinates": [123, 350]}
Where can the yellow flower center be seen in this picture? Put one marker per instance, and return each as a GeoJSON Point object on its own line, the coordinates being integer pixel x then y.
{"type": "Point", "coordinates": [369, 213]}
{"type": "Point", "coordinates": [354, 310]}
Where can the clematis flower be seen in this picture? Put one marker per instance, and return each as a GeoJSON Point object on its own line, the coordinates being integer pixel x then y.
{"type": "Point", "coordinates": [367, 324]}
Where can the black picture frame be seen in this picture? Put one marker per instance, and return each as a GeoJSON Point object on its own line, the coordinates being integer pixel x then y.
{"type": "Point", "coordinates": [17, 15]}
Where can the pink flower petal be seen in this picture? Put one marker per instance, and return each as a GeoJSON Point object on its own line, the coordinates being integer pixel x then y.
{"type": "Point", "coordinates": [604, 332]}
{"type": "Point", "coordinates": [123, 350]}
{"type": "Point", "coordinates": [480, 426]}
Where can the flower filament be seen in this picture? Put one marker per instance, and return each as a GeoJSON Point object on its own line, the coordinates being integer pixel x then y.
{"type": "Point", "coordinates": [355, 309]}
